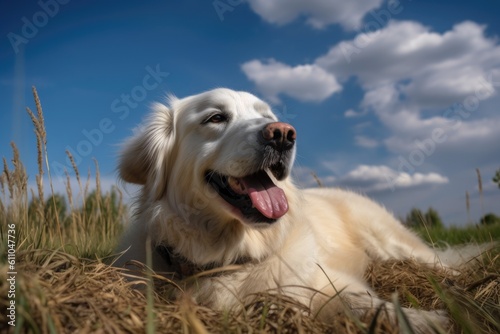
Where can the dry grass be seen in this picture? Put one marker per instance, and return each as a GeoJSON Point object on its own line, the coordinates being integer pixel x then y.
{"type": "Point", "coordinates": [64, 294]}
{"type": "Point", "coordinates": [64, 285]}
{"type": "Point", "coordinates": [61, 293]}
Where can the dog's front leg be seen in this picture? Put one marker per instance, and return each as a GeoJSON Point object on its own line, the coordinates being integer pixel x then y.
{"type": "Point", "coordinates": [348, 295]}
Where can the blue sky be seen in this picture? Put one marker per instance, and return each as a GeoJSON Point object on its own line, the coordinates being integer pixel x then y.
{"type": "Point", "coordinates": [398, 100]}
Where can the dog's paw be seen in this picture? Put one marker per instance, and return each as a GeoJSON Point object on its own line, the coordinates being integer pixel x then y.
{"type": "Point", "coordinates": [425, 321]}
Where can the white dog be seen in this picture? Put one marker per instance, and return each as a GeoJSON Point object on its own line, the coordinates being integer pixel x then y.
{"type": "Point", "coordinates": [214, 170]}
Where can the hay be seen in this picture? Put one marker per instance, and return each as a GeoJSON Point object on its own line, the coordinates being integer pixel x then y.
{"type": "Point", "coordinates": [64, 294]}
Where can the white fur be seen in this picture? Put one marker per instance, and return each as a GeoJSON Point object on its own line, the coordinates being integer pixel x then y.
{"type": "Point", "coordinates": [324, 242]}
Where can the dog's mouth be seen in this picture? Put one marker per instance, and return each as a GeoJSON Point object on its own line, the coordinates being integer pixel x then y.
{"type": "Point", "coordinates": [255, 195]}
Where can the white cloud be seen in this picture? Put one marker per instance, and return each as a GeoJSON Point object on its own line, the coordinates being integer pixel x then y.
{"type": "Point", "coordinates": [457, 136]}
{"type": "Point", "coordinates": [351, 113]}
{"type": "Point", "coordinates": [368, 178]}
{"type": "Point", "coordinates": [412, 75]}
{"type": "Point", "coordinates": [302, 82]}
{"type": "Point", "coordinates": [365, 142]}
{"type": "Point", "coordinates": [430, 69]}
{"type": "Point", "coordinates": [319, 13]}
{"type": "Point", "coordinates": [459, 129]}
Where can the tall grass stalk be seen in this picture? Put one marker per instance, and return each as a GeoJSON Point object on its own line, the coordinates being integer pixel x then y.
{"type": "Point", "coordinates": [89, 229]}
{"type": "Point", "coordinates": [150, 321]}
{"type": "Point", "coordinates": [480, 188]}
{"type": "Point", "coordinates": [317, 179]}
{"type": "Point", "coordinates": [467, 206]}
{"type": "Point", "coordinates": [41, 136]}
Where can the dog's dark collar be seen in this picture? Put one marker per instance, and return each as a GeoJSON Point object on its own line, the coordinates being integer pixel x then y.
{"type": "Point", "coordinates": [184, 268]}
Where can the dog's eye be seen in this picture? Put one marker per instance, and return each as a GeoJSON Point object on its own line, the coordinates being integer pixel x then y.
{"type": "Point", "coordinates": [217, 118]}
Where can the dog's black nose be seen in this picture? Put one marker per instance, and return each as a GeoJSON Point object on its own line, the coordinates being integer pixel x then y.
{"type": "Point", "coordinates": [281, 136]}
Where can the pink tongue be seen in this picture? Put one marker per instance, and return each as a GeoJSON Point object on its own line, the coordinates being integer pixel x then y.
{"type": "Point", "coordinates": [265, 195]}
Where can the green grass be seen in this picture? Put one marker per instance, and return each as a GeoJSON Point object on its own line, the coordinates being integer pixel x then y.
{"type": "Point", "coordinates": [477, 234]}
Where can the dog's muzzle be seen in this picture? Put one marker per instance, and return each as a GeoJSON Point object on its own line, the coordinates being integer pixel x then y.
{"type": "Point", "coordinates": [255, 195]}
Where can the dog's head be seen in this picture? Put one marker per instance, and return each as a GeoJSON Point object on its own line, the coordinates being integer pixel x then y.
{"type": "Point", "coordinates": [217, 155]}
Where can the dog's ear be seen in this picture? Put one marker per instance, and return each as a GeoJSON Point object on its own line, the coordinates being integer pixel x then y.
{"type": "Point", "coordinates": [144, 158]}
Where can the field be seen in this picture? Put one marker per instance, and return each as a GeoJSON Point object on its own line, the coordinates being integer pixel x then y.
{"type": "Point", "coordinates": [60, 247]}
